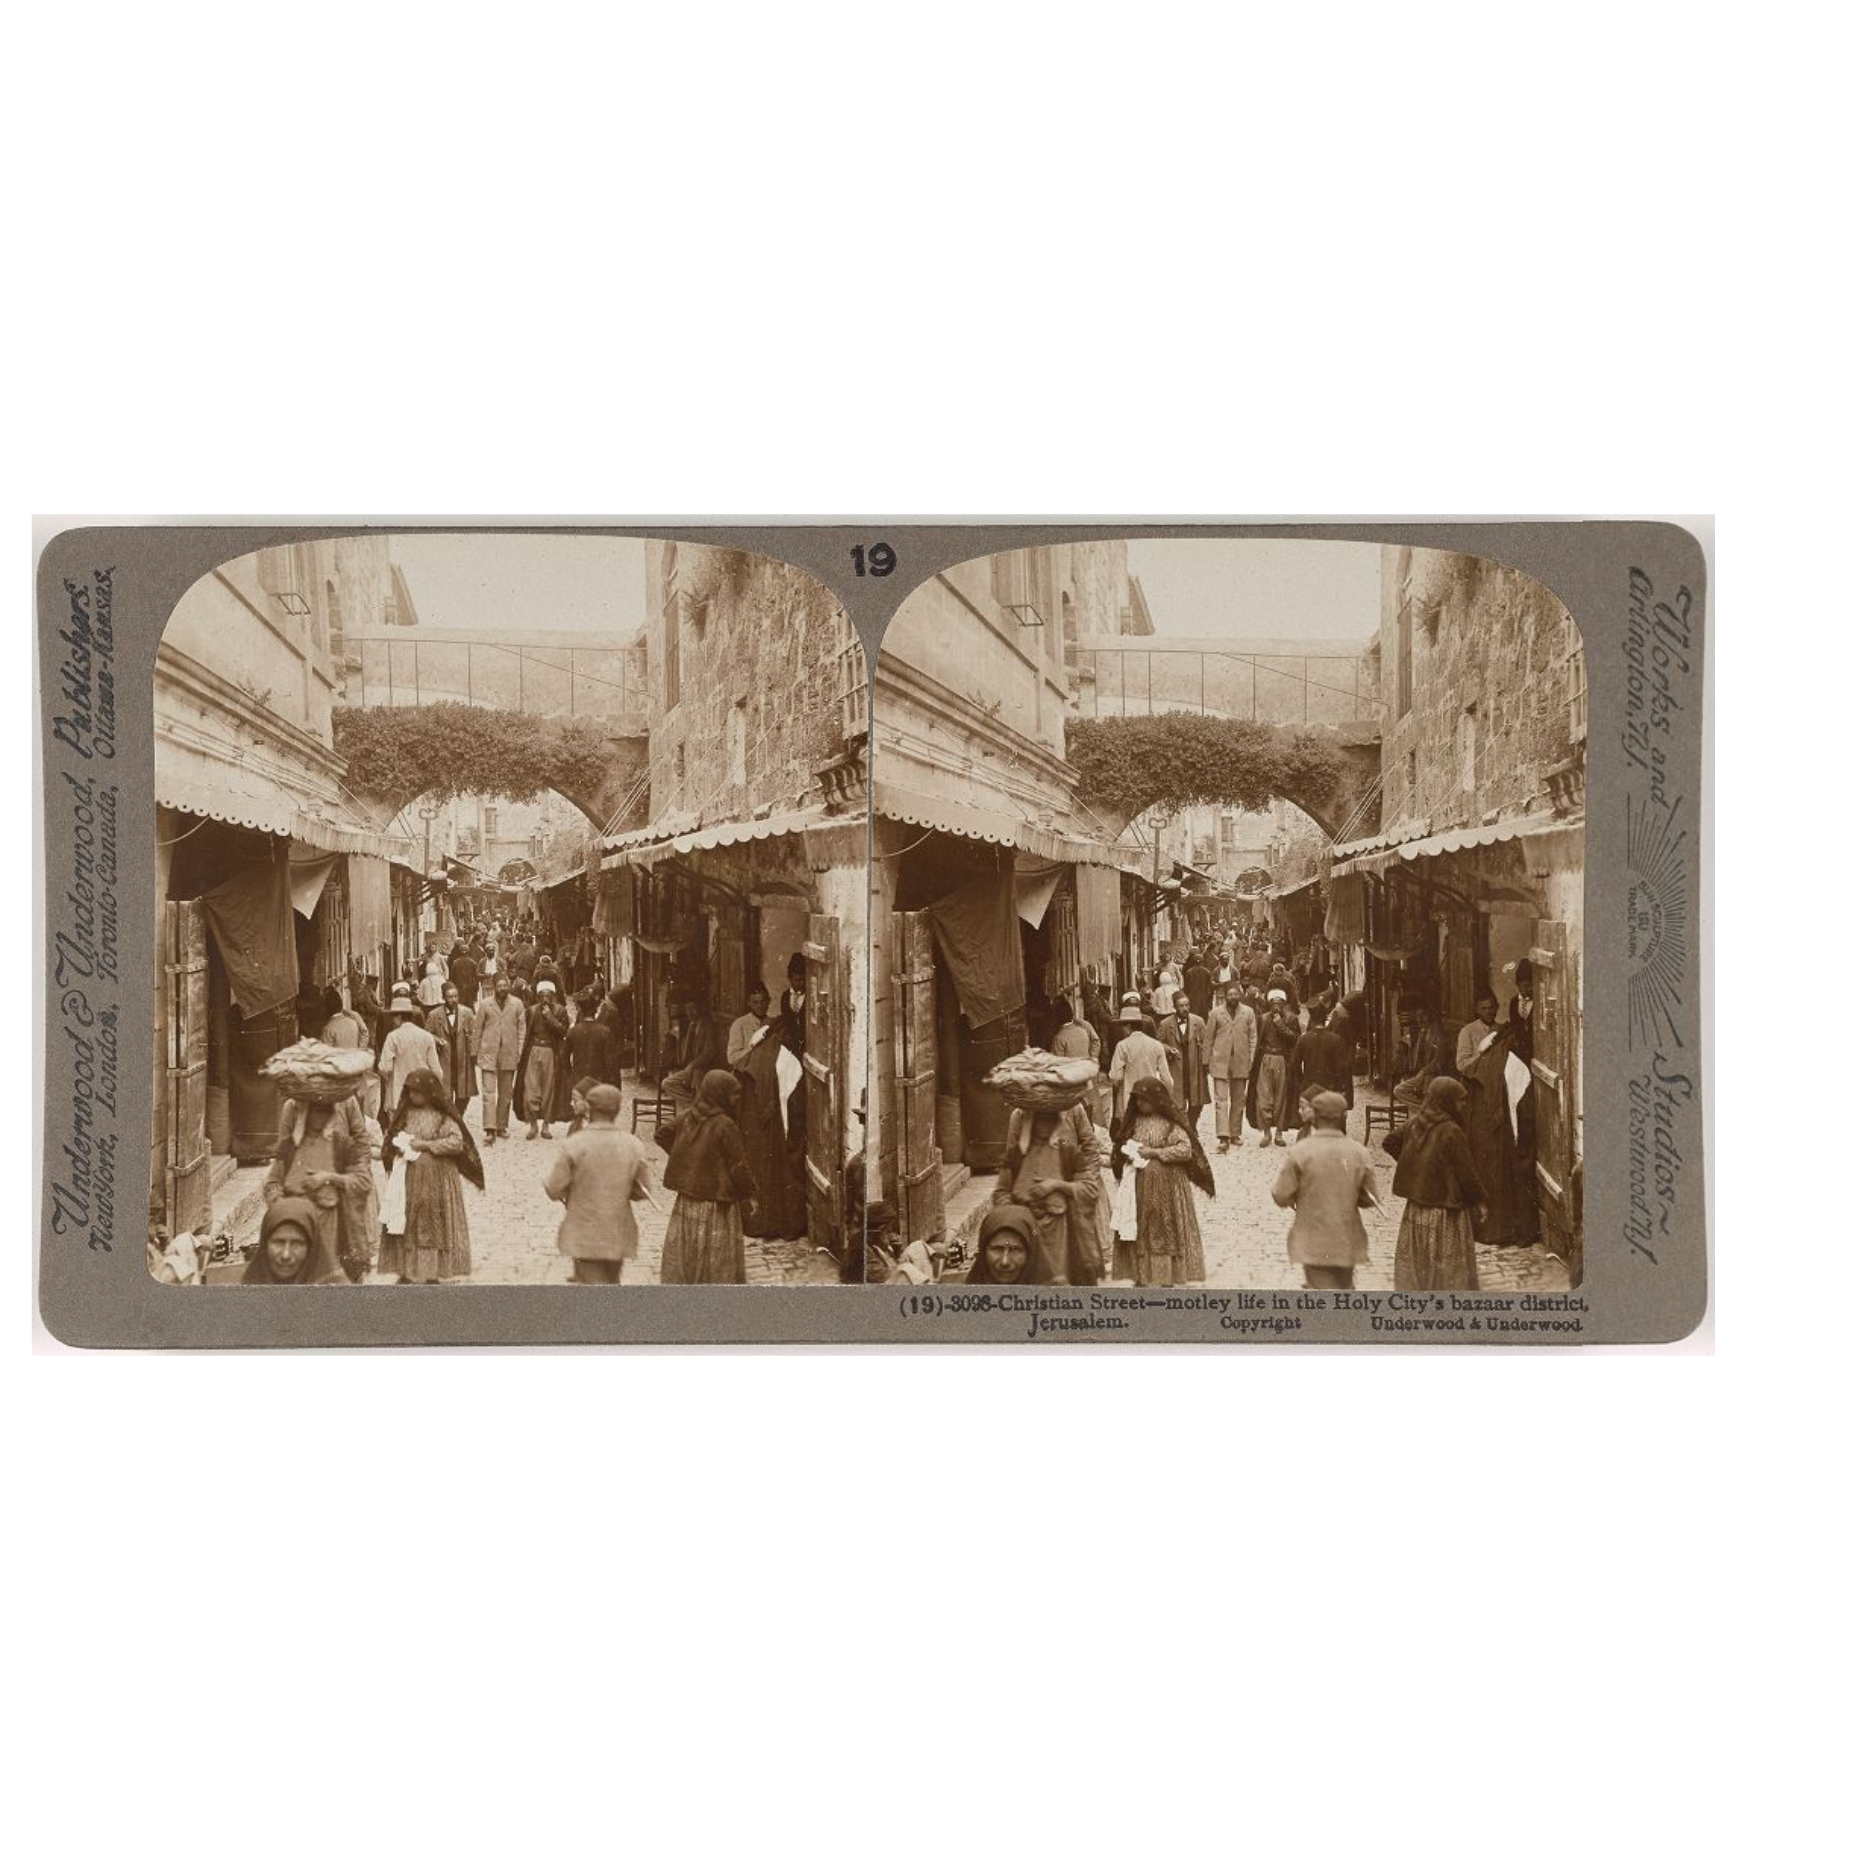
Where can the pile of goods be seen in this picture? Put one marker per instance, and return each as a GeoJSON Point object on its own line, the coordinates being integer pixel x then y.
{"type": "Point", "coordinates": [311, 1072]}
{"type": "Point", "coordinates": [1039, 1081]}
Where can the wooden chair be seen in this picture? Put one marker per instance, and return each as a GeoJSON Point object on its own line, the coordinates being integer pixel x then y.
{"type": "Point", "coordinates": [654, 1105]}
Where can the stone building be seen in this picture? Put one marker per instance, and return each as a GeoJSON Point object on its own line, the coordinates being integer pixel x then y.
{"type": "Point", "coordinates": [268, 878]}
{"type": "Point", "coordinates": [1474, 881]}
{"type": "Point", "coordinates": [755, 845]}
{"type": "Point", "coordinates": [993, 891]}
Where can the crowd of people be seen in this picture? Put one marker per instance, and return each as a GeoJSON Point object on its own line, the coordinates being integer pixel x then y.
{"type": "Point", "coordinates": [1262, 1036]}
{"type": "Point", "coordinates": [373, 1184]}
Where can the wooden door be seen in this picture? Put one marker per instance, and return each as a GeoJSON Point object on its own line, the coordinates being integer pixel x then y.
{"type": "Point", "coordinates": [824, 1076]}
{"type": "Point", "coordinates": [187, 1188]}
{"type": "Point", "coordinates": [920, 1203]}
{"type": "Point", "coordinates": [1553, 1078]}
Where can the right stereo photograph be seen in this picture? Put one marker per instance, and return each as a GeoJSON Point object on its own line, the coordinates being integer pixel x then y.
{"type": "Point", "coordinates": [1227, 902]}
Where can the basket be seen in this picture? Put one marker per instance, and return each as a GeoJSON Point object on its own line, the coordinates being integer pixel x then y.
{"type": "Point", "coordinates": [312, 1078]}
{"type": "Point", "coordinates": [1042, 1083]}
{"type": "Point", "coordinates": [318, 1088]}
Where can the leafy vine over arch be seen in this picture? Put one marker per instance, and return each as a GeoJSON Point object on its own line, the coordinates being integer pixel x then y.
{"type": "Point", "coordinates": [1179, 759]}
{"type": "Point", "coordinates": [446, 749]}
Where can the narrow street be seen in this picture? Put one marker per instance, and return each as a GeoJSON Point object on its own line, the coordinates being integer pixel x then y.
{"type": "Point", "coordinates": [515, 1227]}
{"type": "Point", "coordinates": [1244, 1232]}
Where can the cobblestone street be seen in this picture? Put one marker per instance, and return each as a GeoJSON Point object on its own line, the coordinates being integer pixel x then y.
{"type": "Point", "coordinates": [515, 1227]}
{"type": "Point", "coordinates": [1244, 1233]}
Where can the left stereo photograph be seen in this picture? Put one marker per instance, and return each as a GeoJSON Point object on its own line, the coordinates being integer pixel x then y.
{"type": "Point", "coordinates": [511, 898]}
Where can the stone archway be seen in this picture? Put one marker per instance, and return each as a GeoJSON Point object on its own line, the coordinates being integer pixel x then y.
{"type": "Point", "coordinates": [395, 755]}
{"type": "Point", "coordinates": [1126, 767]}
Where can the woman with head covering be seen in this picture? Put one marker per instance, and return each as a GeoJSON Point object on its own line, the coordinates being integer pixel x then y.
{"type": "Point", "coordinates": [1154, 1140]}
{"type": "Point", "coordinates": [294, 1247]}
{"type": "Point", "coordinates": [1008, 1248]}
{"type": "Point", "coordinates": [710, 1177]}
{"type": "Point", "coordinates": [1053, 1168]}
{"type": "Point", "coordinates": [1436, 1176]}
{"type": "Point", "coordinates": [428, 1137]}
{"type": "Point", "coordinates": [322, 1156]}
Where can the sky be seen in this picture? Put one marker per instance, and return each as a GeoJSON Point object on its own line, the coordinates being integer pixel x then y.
{"type": "Point", "coordinates": [472, 581]}
{"type": "Point", "coordinates": [1259, 587]}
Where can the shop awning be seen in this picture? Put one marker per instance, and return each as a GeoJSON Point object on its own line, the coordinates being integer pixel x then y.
{"type": "Point", "coordinates": [1371, 855]}
{"type": "Point", "coordinates": [659, 840]}
{"type": "Point", "coordinates": [248, 801]}
{"type": "Point", "coordinates": [902, 806]}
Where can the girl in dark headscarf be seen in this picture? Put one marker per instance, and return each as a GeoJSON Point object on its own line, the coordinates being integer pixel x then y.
{"type": "Point", "coordinates": [427, 1133]}
{"type": "Point", "coordinates": [294, 1248]}
{"type": "Point", "coordinates": [1167, 1248]}
{"type": "Point", "coordinates": [710, 1177]}
{"type": "Point", "coordinates": [1008, 1248]}
{"type": "Point", "coordinates": [1435, 1175]}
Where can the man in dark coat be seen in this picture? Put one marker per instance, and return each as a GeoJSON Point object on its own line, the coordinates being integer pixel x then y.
{"type": "Point", "coordinates": [464, 971]}
{"type": "Point", "coordinates": [1197, 981]}
{"type": "Point", "coordinates": [1183, 1034]}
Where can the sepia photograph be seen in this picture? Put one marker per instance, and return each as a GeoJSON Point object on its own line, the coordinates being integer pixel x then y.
{"type": "Point", "coordinates": [1229, 922]}
{"type": "Point", "coordinates": [510, 918]}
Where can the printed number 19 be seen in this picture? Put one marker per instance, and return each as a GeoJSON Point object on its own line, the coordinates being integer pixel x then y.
{"type": "Point", "coordinates": [875, 561]}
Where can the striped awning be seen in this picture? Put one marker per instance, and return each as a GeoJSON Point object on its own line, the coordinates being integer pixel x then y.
{"type": "Point", "coordinates": [902, 806]}
{"type": "Point", "coordinates": [1371, 855]}
{"type": "Point", "coordinates": [274, 812]}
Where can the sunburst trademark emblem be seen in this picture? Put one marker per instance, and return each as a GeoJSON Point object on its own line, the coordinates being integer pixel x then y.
{"type": "Point", "coordinates": [1656, 924]}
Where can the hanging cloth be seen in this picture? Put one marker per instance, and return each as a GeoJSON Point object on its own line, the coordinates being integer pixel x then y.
{"type": "Point", "coordinates": [250, 917]}
{"type": "Point", "coordinates": [977, 930]}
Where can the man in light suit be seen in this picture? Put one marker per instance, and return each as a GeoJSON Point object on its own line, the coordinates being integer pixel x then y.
{"type": "Point", "coordinates": [1232, 1038]}
{"type": "Point", "coordinates": [1183, 1036]}
{"type": "Point", "coordinates": [498, 1036]}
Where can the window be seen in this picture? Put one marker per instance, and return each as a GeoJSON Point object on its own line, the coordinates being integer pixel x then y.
{"type": "Point", "coordinates": [671, 626]}
{"type": "Point", "coordinates": [736, 741]}
{"type": "Point", "coordinates": [1404, 655]}
{"type": "Point", "coordinates": [1576, 674]}
{"type": "Point", "coordinates": [1469, 748]}
{"type": "Point", "coordinates": [1413, 782]}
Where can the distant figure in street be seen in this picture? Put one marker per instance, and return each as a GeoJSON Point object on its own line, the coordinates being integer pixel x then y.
{"type": "Point", "coordinates": [1183, 1036]}
{"type": "Point", "coordinates": [434, 977]}
{"type": "Point", "coordinates": [598, 1175]}
{"type": "Point", "coordinates": [498, 1043]}
{"type": "Point", "coordinates": [1323, 1056]}
{"type": "Point", "coordinates": [1232, 1043]}
{"type": "Point", "coordinates": [1522, 1014]}
{"type": "Point", "coordinates": [450, 1024]}
{"type": "Point", "coordinates": [710, 1178]}
{"type": "Point", "coordinates": [1270, 1080]}
{"type": "Point", "coordinates": [791, 1001]}
{"type": "Point", "coordinates": [1071, 1036]}
{"type": "Point", "coordinates": [1474, 1037]}
{"type": "Point", "coordinates": [1154, 1142]}
{"type": "Point", "coordinates": [1197, 983]}
{"type": "Point", "coordinates": [430, 1144]}
{"type": "Point", "coordinates": [1436, 1176]}
{"type": "Point", "coordinates": [747, 1029]}
{"type": "Point", "coordinates": [545, 1031]}
{"type": "Point", "coordinates": [1138, 1055]}
{"type": "Point", "coordinates": [409, 1046]}
{"type": "Point", "coordinates": [464, 971]}
{"type": "Point", "coordinates": [1167, 984]}
{"type": "Point", "coordinates": [694, 1050]}
{"type": "Point", "coordinates": [1326, 1180]}
{"type": "Point", "coordinates": [590, 1050]}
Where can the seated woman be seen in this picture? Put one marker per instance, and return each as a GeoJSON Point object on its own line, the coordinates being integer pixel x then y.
{"type": "Point", "coordinates": [1008, 1245]}
{"type": "Point", "coordinates": [294, 1247]}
